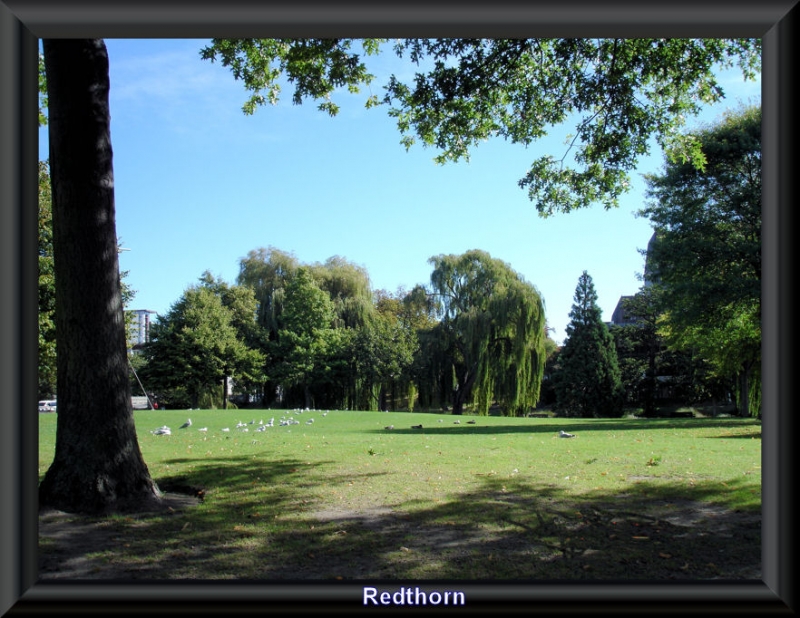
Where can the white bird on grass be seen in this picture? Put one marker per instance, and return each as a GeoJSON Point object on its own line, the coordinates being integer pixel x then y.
{"type": "Point", "coordinates": [188, 423]}
{"type": "Point", "coordinates": [564, 434]}
{"type": "Point", "coordinates": [163, 431]}
{"type": "Point", "coordinates": [203, 429]}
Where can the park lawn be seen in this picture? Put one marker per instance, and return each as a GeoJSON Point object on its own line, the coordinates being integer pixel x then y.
{"type": "Point", "coordinates": [344, 497]}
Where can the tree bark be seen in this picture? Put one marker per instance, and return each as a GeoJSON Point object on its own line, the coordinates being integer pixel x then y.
{"type": "Point", "coordinates": [460, 394]}
{"type": "Point", "coordinates": [98, 466]}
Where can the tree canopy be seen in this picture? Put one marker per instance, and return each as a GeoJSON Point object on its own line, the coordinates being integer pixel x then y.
{"type": "Point", "coordinates": [491, 330]}
{"type": "Point", "coordinates": [196, 346]}
{"type": "Point", "coordinates": [619, 94]}
{"type": "Point", "coordinates": [706, 257]}
{"type": "Point", "coordinates": [305, 335]}
{"type": "Point", "coordinates": [266, 271]}
{"type": "Point", "coordinates": [349, 288]}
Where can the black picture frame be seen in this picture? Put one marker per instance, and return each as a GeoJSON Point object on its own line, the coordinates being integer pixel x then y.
{"type": "Point", "coordinates": [24, 22]}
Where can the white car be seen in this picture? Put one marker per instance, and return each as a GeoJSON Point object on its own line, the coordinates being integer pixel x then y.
{"type": "Point", "coordinates": [47, 405]}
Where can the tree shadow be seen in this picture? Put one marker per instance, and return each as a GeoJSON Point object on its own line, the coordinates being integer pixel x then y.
{"type": "Point", "coordinates": [550, 426]}
{"type": "Point", "coordinates": [505, 530]}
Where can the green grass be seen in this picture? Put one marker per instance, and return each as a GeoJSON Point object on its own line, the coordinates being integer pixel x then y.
{"type": "Point", "coordinates": [278, 499]}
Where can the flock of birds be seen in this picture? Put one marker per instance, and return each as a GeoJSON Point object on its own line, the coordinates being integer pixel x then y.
{"type": "Point", "coordinates": [243, 427]}
{"type": "Point", "coordinates": [284, 421]}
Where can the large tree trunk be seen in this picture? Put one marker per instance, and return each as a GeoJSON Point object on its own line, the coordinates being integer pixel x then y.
{"type": "Point", "coordinates": [98, 466]}
{"type": "Point", "coordinates": [463, 390]}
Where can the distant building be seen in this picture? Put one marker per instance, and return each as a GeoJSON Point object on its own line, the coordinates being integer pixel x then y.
{"type": "Point", "coordinates": [650, 275]}
{"type": "Point", "coordinates": [139, 330]}
{"type": "Point", "coordinates": [618, 318]}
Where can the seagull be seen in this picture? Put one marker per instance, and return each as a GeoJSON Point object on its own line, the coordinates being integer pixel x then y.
{"type": "Point", "coordinates": [389, 427]}
{"type": "Point", "coordinates": [564, 434]}
{"type": "Point", "coordinates": [470, 422]}
{"type": "Point", "coordinates": [163, 431]}
{"type": "Point", "coordinates": [226, 429]}
{"type": "Point", "coordinates": [186, 424]}
{"type": "Point", "coordinates": [203, 429]}
{"type": "Point", "coordinates": [456, 422]}
{"type": "Point", "coordinates": [416, 426]}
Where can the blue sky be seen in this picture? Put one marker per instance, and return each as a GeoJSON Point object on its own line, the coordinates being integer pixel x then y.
{"type": "Point", "coordinates": [198, 185]}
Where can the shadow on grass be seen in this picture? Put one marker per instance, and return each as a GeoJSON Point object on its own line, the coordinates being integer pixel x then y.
{"type": "Point", "coordinates": [550, 426]}
{"type": "Point", "coordinates": [262, 522]}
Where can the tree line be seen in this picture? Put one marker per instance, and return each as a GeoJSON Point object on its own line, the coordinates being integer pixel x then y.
{"type": "Point", "coordinates": [318, 336]}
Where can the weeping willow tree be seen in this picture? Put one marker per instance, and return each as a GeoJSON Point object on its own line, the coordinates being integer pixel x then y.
{"type": "Point", "coordinates": [266, 271]}
{"type": "Point", "coordinates": [492, 331]}
{"type": "Point", "coordinates": [350, 290]}
{"type": "Point", "coordinates": [270, 272]}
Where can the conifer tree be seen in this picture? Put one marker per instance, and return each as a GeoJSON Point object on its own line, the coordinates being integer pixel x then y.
{"type": "Point", "coordinates": [589, 383]}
